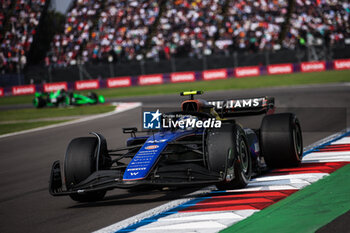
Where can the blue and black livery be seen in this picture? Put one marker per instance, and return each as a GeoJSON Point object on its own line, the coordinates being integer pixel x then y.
{"type": "Point", "coordinates": [227, 156]}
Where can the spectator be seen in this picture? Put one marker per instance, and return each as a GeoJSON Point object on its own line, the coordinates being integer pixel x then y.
{"type": "Point", "coordinates": [66, 46]}
{"type": "Point", "coordinates": [194, 28]}
{"type": "Point", "coordinates": [122, 30]}
{"type": "Point", "coordinates": [252, 25]}
{"type": "Point", "coordinates": [318, 22]}
{"type": "Point", "coordinates": [24, 21]}
{"type": "Point", "coordinates": [187, 28]}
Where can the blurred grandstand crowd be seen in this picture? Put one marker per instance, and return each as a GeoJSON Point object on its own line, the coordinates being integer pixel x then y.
{"type": "Point", "coordinates": [126, 30]}
{"type": "Point", "coordinates": [18, 24]}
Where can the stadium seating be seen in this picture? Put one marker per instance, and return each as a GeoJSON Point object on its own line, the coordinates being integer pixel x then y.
{"type": "Point", "coordinates": [192, 28]}
{"type": "Point", "coordinates": [127, 30]}
{"type": "Point", "coordinates": [187, 28]}
{"type": "Point", "coordinates": [67, 46]}
{"type": "Point", "coordinates": [23, 20]}
{"type": "Point", "coordinates": [252, 25]}
{"type": "Point", "coordinates": [122, 30]}
{"type": "Point", "coordinates": [319, 22]}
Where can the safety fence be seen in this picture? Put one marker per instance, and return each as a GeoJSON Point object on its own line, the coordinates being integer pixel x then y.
{"type": "Point", "coordinates": [178, 77]}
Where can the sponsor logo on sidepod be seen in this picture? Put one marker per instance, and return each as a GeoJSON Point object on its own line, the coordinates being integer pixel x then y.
{"type": "Point", "coordinates": [151, 147]}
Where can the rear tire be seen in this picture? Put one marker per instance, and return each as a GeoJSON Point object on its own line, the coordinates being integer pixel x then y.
{"type": "Point", "coordinates": [80, 163]}
{"type": "Point", "coordinates": [93, 96]}
{"type": "Point", "coordinates": [281, 140]}
{"type": "Point", "coordinates": [228, 153]}
{"type": "Point", "coordinates": [39, 102]}
{"type": "Point", "coordinates": [70, 100]}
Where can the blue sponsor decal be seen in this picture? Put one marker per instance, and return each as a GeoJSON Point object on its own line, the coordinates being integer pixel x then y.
{"type": "Point", "coordinates": [147, 156]}
{"type": "Point", "coordinates": [151, 120]}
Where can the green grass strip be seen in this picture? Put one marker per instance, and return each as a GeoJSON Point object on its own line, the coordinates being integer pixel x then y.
{"type": "Point", "coordinates": [10, 128]}
{"type": "Point", "coordinates": [231, 83]}
{"type": "Point", "coordinates": [33, 113]}
{"type": "Point", "coordinates": [304, 211]}
{"type": "Point", "coordinates": [13, 100]}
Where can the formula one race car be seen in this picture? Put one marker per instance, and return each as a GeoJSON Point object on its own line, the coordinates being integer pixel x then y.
{"type": "Point", "coordinates": [63, 98]}
{"type": "Point", "coordinates": [200, 145]}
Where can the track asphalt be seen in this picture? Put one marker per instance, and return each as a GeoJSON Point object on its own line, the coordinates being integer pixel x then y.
{"type": "Point", "coordinates": [25, 204]}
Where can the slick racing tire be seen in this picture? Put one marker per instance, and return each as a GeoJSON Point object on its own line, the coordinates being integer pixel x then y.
{"type": "Point", "coordinates": [281, 140]}
{"type": "Point", "coordinates": [39, 102]}
{"type": "Point", "coordinates": [70, 100]}
{"type": "Point", "coordinates": [93, 96]}
{"type": "Point", "coordinates": [228, 153]}
{"type": "Point", "coordinates": [79, 164]}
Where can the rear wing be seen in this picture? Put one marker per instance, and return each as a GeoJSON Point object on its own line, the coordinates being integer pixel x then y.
{"type": "Point", "coordinates": [244, 107]}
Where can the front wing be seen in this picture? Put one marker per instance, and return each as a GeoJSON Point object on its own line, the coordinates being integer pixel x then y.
{"type": "Point", "coordinates": [167, 176]}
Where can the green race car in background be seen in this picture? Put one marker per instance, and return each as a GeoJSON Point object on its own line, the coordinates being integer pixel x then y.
{"type": "Point", "coordinates": [63, 98]}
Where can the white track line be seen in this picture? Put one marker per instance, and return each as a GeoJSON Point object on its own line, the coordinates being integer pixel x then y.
{"type": "Point", "coordinates": [222, 219]}
{"type": "Point", "coordinates": [345, 140]}
{"type": "Point", "coordinates": [325, 140]}
{"type": "Point", "coordinates": [121, 107]}
{"type": "Point", "coordinates": [152, 212]}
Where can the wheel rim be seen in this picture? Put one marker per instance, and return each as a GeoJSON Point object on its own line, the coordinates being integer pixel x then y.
{"type": "Point", "coordinates": [297, 140]}
{"type": "Point", "coordinates": [243, 157]}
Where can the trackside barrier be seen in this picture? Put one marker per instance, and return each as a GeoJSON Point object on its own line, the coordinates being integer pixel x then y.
{"type": "Point", "coordinates": [215, 74]}
{"type": "Point", "coordinates": [182, 77]}
{"type": "Point", "coordinates": [23, 90]}
{"type": "Point", "coordinates": [342, 64]}
{"type": "Point", "coordinates": [49, 87]}
{"type": "Point", "coordinates": [177, 77]}
{"type": "Point", "coordinates": [313, 66]}
{"type": "Point", "coordinates": [241, 72]}
{"type": "Point", "coordinates": [150, 79]}
{"type": "Point", "coordinates": [119, 82]}
{"type": "Point", "coordinates": [280, 69]}
{"type": "Point", "coordinates": [87, 85]}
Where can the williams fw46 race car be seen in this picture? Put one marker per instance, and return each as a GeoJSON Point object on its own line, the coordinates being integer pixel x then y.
{"type": "Point", "coordinates": [63, 98]}
{"type": "Point", "coordinates": [202, 144]}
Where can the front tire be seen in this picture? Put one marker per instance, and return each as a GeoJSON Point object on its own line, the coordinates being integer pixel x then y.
{"type": "Point", "coordinates": [281, 140]}
{"type": "Point", "coordinates": [80, 163]}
